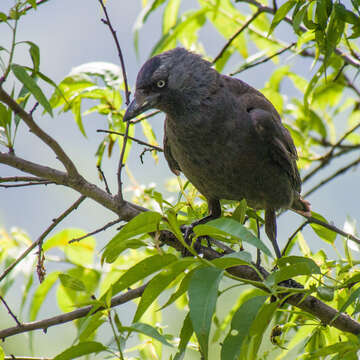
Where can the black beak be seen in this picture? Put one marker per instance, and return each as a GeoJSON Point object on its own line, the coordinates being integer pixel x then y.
{"type": "Point", "coordinates": [139, 105]}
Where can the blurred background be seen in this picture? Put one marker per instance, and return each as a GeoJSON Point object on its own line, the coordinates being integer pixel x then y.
{"type": "Point", "coordinates": [70, 33]}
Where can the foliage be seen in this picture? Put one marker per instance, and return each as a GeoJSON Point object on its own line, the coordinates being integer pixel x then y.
{"type": "Point", "coordinates": [260, 324]}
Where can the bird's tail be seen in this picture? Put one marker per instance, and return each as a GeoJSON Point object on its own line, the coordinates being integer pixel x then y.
{"type": "Point", "coordinates": [302, 207]}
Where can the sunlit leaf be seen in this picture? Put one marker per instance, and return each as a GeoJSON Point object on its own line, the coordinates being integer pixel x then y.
{"type": "Point", "coordinates": [203, 289]}
{"type": "Point", "coordinates": [240, 326]}
{"type": "Point", "coordinates": [84, 348]}
{"type": "Point", "coordinates": [31, 85]}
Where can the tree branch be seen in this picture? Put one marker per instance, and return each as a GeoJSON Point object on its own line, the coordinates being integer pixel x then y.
{"type": "Point", "coordinates": [333, 176]}
{"type": "Point", "coordinates": [70, 316]}
{"type": "Point", "coordinates": [230, 41]}
{"type": "Point", "coordinates": [43, 236]}
{"type": "Point", "coordinates": [127, 96]}
{"type": "Point", "coordinates": [157, 148]}
{"type": "Point", "coordinates": [103, 228]}
{"type": "Point", "coordinates": [125, 210]}
{"type": "Point", "coordinates": [42, 135]}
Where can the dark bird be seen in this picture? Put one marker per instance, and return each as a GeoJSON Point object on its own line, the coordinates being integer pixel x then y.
{"type": "Point", "coordinates": [223, 134]}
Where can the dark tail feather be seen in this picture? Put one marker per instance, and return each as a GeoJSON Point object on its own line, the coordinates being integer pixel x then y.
{"type": "Point", "coordinates": [270, 229]}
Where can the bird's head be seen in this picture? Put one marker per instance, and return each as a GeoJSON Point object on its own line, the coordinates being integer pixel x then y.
{"type": "Point", "coordinates": [171, 82]}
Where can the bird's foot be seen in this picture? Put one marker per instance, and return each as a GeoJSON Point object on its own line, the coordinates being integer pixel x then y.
{"type": "Point", "coordinates": [188, 233]}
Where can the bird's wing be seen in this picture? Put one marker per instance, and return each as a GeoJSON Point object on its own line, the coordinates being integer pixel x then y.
{"type": "Point", "coordinates": [173, 165]}
{"type": "Point", "coordinates": [267, 125]}
{"type": "Point", "coordinates": [279, 141]}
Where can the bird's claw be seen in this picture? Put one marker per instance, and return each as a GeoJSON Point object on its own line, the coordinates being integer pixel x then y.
{"type": "Point", "coordinates": [188, 234]}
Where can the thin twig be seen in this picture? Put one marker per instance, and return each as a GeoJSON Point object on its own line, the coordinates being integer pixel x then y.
{"type": "Point", "coordinates": [42, 236]}
{"type": "Point", "coordinates": [348, 59]}
{"type": "Point", "coordinates": [111, 223]}
{"type": "Point", "coordinates": [292, 236]}
{"type": "Point", "coordinates": [27, 184]}
{"type": "Point", "coordinates": [10, 312]}
{"type": "Point", "coordinates": [115, 336]}
{"type": "Point", "coordinates": [121, 161]}
{"type": "Point", "coordinates": [127, 96]}
{"type": "Point", "coordinates": [13, 357]}
{"type": "Point", "coordinates": [144, 117]}
{"type": "Point", "coordinates": [338, 143]}
{"type": "Point", "coordinates": [333, 176]}
{"type": "Point", "coordinates": [154, 147]}
{"type": "Point", "coordinates": [230, 41]}
{"type": "Point", "coordinates": [28, 8]}
{"type": "Point", "coordinates": [250, 65]}
{"type": "Point", "coordinates": [21, 178]}
{"type": "Point", "coordinates": [144, 152]}
{"type": "Point", "coordinates": [107, 22]}
{"type": "Point", "coordinates": [104, 179]}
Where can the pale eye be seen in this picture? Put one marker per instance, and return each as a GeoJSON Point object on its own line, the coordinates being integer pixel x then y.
{"type": "Point", "coordinates": [161, 83]}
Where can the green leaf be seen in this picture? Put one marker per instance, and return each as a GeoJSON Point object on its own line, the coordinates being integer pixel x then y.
{"type": "Point", "coordinates": [84, 348]}
{"type": "Point", "coordinates": [170, 15]}
{"type": "Point", "coordinates": [240, 212]}
{"type": "Point", "coordinates": [143, 269]}
{"type": "Point", "coordinates": [346, 15]}
{"type": "Point", "coordinates": [41, 293]}
{"type": "Point", "coordinates": [79, 252]}
{"type": "Point", "coordinates": [147, 330]}
{"type": "Point", "coordinates": [325, 293]}
{"type": "Point", "coordinates": [280, 14]}
{"type": "Point", "coordinates": [143, 223]}
{"type": "Point", "coordinates": [185, 335]}
{"type": "Point", "coordinates": [71, 282]}
{"type": "Point", "coordinates": [203, 292]}
{"type": "Point", "coordinates": [353, 296]}
{"type": "Point", "coordinates": [90, 325]}
{"type": "Point", "coordinates": [226, 226]}
{"type": "Point", "coordinates": [31, 85]}
{"type": "Point", "coordinates": [290, 267]}
{"type": "Point", "coordinates": [184, 285]}
{"type": "Point", "coordinates": [234, 259]}
{"type": "Point", "coordinates": [3, 16]}
{"type": "Point", "coordinates": [193, 20]}
{"type": "Point", "coordinates": [342, 348]}
{"type": "Point", "coordinates": [142, 18]}
{"type": "Point", "coordinates": [240, 327]}
{"type": "Point", "coordinates": [227, 20]}
{"type": "Point", "coordinates": [35, 55]}
{"type": "Point", "coordinates": [159, 283]}
{"type": "Point", "coordinates": [258, 330]}
{"type": "Point", "coordinates": [325, 234]}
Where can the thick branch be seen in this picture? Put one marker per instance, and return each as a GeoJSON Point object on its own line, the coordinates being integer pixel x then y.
{"type": "Point", "coordinates": [124, 210]}
{"type": "Point", "coordinates": [70, 316]}
{"type": "Point", "coordinates": [42, 135]}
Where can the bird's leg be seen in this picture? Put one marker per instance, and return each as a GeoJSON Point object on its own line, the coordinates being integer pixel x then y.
{"type": "Point", "coordinates": [258, 252]}
{"type": "Point", "coordinates": [214, 213]}
{"type": "Point", "coordinates": [270, 229]}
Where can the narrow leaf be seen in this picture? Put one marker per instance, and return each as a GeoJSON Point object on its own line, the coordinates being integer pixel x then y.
{"type": "Point", "coordinates": [141, 270]}
{"type": "Point", "coordinates": [185, 335]}
{"type": "Point", "coordinates": [143, 223]}
{"type": "Point", "coordinates": [240, 327]}
{"type": "Point", "coordinates": [31, 85]}
{"type": "Point", "coordinates": [84, 348]}
{"type": "Point", "coordinates": [203, 292]}
{"type": "Point", "coordinates": [148, 331]}
{"type": "Point", "coordinates": [159, 283]}
{"type": "Point", "coordinates": [227, 226]}
{"type": "Point", "coordinates": [281, 12]}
